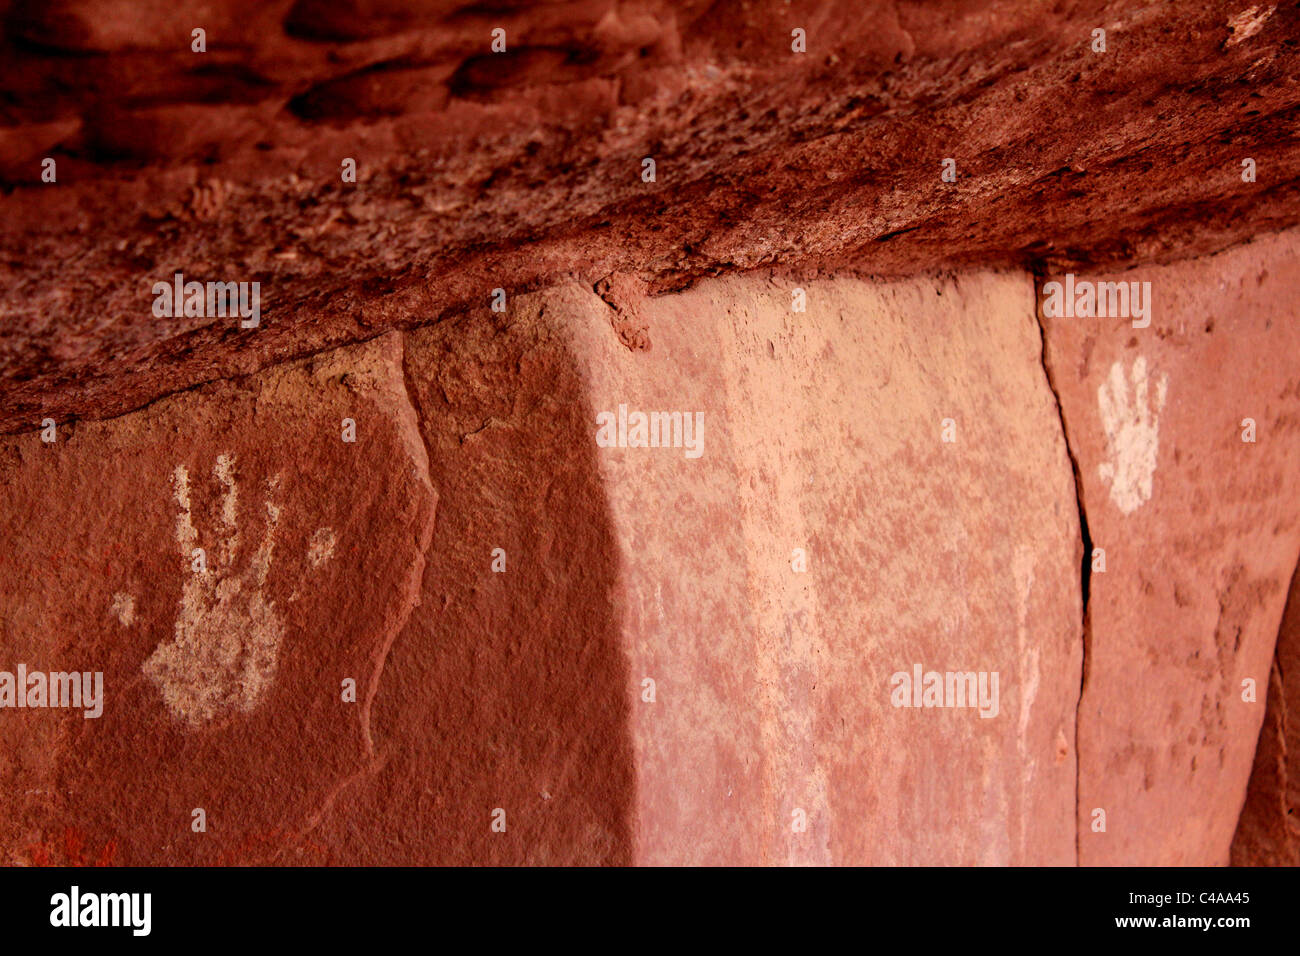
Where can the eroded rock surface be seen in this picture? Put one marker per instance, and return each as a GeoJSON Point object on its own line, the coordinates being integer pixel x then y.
{"type": "Point", "coordinates": [1268, 833]}
{"type": "Point", "coordinates": [1200, 534]}
{"type": "Point", "coordinates": [822, 447]}
{"type": "Point", "coordinates": [686, 653]}
{"type": "Point", "coordinates": [768, 576]}
{"type": "Point", "coordinates": [224, 671]}
{"type": "Point", "coordinates": [508, 688]}
{"type": "Point", "coordinates": [517, 170]}
{"type": "Point", "coordinates": [567, 650]}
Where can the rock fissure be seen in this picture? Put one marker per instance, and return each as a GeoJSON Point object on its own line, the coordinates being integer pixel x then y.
{"type": "Point", "coordinates": [424, 542]}
{"type": "Point", "coordinates": [1085, 569]}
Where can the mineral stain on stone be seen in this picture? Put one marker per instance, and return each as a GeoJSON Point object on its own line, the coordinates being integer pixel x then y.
{"type": "Point", "coordinates": [124, 608]}
{"type": "Point", "coordinates": [321, 548]}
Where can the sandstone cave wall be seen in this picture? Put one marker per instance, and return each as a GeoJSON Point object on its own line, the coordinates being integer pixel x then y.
{"type": "Point", "coordinates": [1200, 533]}
{"type": "Point", "coordinates": [524, 689]}
{"type": "Point", "coordinates": [1268, 833]}
{"type": "Point", "coordinates": [824, 433]}
{"type": "Point", "coordinates": [518, 170]}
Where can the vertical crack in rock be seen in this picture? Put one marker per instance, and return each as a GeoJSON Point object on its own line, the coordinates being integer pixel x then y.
{"type": "Point", "coordinates": [1085, 568]}
{"type": "Point", "coordinates": [1278, 686]}
{"type": "Point", "coordinates": [403, 399]}
{"type": "Point", "coordinates": [413, 401]}
{"type": "Point", "coordinates": [423, 542]}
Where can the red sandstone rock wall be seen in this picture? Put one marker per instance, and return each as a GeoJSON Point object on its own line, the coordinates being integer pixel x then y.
{"type": "Point", "coordinates": [222, 682]}
{"type": "Point", "coordinates": [369, 583]}
{"type": "Point", "coordinates": [1200, 535]}
{"type": "Point", "coordinates": [523, 169]}
{"type": "Point", "coordinates": [1268, 833]}
{"type": "Point", "coordinates": [824, 433]}
{"type": "Point", "coordinates": [523, 688]}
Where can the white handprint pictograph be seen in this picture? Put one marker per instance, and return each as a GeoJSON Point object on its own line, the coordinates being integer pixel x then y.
{"type": "Point", "coordinates": [1130, 416]}
{"type": "Point", "coordinates": [224, 650]}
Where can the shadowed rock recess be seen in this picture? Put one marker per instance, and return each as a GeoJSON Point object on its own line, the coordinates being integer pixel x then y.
{"type": "Point", "coordinates": [697, 432]}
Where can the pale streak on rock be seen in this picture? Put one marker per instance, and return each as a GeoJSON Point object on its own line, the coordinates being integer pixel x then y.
{"type": "Point", "coordinates": [1246, 24]}
{"type": "Point", "coordinates": [1023, 569]}
{"type": "Point", "coordinates": [124, 608]}
{"type": "Point", "coordinates": [321, 548]}
{"type": "Point", "coordinates": [186, 536]}
{"type": "Point", "coordinates": [785, 676]}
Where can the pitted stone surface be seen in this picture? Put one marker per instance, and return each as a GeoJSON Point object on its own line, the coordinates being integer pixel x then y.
{"type": "Point", "coordinates": [223, 678]}
{"type": "Point", "coordinates": [1200, 534]}
{"type": "Point", "coordinates": [518, 170]}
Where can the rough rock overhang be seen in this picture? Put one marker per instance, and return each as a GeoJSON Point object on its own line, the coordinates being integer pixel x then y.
{"type": "Point", "coordinates": [514, 170]}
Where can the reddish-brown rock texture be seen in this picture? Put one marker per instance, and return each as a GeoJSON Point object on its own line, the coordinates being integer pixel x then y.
{"type": "Point", "coordinates": [561, 507]}
{"type": "Point", "coordinates": [771, 586]}
{"type": "Point", "coordinates": [1268, 833]}
{"type": "Point", "coordinates": [222, 679]}
{"type": "Point", "coordinates": [478, 170]}
{"type": "Point", "coordinates": [1186, 436]}
{"type": "Point", "coordinates": [508, 688]}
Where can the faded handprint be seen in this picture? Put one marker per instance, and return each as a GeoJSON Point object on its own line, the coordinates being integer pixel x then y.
{"type": "Point", "coordinates": [1131, 419]}
{"type": "Point", "coordinates": [226, 643]}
